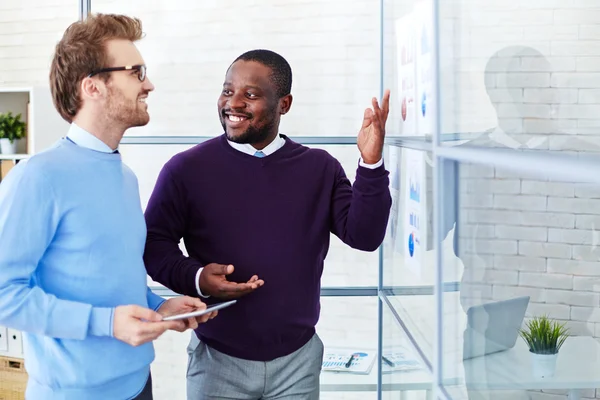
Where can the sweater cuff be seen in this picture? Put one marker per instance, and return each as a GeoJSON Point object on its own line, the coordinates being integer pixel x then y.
{"type": "Point", "coordinates": [154, 300]}
{"type": "Point", "coordinates": [377, 172]}
{"type": "Point", "coordinates": [101, 321]}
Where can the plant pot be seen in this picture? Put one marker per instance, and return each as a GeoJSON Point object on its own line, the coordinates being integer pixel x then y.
{"type": "Point", "coordinates": [543, 365]}
{"type": "Point", "coordinates": [6, 147]}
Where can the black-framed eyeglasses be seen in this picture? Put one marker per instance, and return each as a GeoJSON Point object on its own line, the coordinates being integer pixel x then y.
{"type": "Point", "coordinates": [141, 70]}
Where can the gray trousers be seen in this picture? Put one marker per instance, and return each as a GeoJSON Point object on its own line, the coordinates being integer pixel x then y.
{"type": "Point", "coordinates": [212, 375]}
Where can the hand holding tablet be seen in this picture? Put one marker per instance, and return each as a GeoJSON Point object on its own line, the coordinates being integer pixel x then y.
{"type": "Point", "coordinates": [198, 313]}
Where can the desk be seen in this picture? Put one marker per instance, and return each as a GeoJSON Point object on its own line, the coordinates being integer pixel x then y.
{"type": "Point", "coordinates": [396, 381]}
{"type": "Point", "coordinates": [577, 367]}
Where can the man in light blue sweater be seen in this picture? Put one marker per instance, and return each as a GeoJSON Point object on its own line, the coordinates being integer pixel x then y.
{"type": "Point", "coordinates": [72, 231]}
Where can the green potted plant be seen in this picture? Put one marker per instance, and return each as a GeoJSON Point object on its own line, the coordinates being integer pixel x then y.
{"type": "Point", "coordinates": [544, 337]}
{"type": "Point", "coordinates": [11, 130]}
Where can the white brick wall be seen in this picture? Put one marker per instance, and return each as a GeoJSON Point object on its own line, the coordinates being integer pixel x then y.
{"type": "Point", "coordinates": [28, 31]}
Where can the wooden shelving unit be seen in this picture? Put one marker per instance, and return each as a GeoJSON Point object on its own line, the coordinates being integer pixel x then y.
{"type": "Point", "coordinates": [44, 124]}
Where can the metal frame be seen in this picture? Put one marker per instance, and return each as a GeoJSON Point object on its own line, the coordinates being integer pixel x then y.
{"type": "Point", "coordinates": [85, 7]}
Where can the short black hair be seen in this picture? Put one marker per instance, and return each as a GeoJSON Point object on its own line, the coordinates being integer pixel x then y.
{"type": "Point", "coordinates": [282, 72]}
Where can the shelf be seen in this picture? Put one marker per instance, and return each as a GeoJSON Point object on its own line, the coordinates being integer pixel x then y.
{"type": "Point", "coordinates": [13, 156]}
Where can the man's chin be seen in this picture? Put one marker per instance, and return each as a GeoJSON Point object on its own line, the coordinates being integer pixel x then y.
{"type": "Point", "coordinates": [142, 120]}
{"type": "Point", "coordinates": [241, 138]}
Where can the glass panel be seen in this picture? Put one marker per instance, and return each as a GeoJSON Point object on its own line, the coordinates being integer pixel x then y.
{"type": "Point", "coordinates": [408, 252]}
{"type": "Point", "coordinates": [521, 75]}
{"type": "Point", "coordinates": [346, 322]}
{"type": "Point", "coordinates": [349, 324]}
{"type": "Point", "coordinates": [190, 44]}
{"type": "Point", "coordinates": [405, 373]}
{"type": "Point", "coordinates": [527, 248]}
{"type": "Point", "coordinates": [408, 67]}
{"type": "Point", "coordinates": [344, 266]}
{"type": "Point", "coordinates": [29, 32]}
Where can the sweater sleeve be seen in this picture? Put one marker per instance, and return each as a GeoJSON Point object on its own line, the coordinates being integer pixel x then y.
{"type": "Point", "coordinates": [154, 300]}
{"type": "Point", "coordinates": [360, 212]}
{"type": "Point", "coordinates": [29, 218]}
{"type": "Point", "coordinates": [166, 216]}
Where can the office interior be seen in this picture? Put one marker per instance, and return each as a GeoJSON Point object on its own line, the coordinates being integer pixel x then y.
{"type": "Point", "coordinates": [492, 144]}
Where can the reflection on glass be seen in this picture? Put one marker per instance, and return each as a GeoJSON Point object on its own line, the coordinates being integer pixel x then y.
{"type": "Point", "coordinates": [409, 250]}
{"type": "Point", "coordinates": [408, 247]}
{"type": "Point", "coordinates": [349, 323]}
{"type": "Point", "coordinates": [405, 372]}
{"type": "Point", "coordinates": [521, 76]}
{"type": "Point", "coordinates": [408, 67]}
{"type": "Point", "coordinates": [529, 247]}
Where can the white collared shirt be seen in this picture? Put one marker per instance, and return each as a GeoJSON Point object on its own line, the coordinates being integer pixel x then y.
{"type": "Point", "coordinates": [247, 148]}
{"type": "Point", "coordinates": [278, 143]}
{"type": "Point", "coordinates": [83, 138]}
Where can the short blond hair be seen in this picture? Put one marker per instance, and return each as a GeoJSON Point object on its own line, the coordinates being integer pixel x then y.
{"type": "Point", "coordinates": [82, 50]}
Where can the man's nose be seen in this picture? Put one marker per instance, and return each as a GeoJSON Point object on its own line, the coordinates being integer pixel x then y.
{"type": "Point", "coordinates": [148, 85]}
{"type": "Point", "coordinates": [236, 101]}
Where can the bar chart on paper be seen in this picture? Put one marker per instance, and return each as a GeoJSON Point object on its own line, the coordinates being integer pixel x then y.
{"type": "Point", "coordinates": [348, 360]}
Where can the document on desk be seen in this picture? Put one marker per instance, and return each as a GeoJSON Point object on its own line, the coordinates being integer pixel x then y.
{"type": "Point", "coordinates": [399, 359]}
{"type": "Point", "coordinates": [354, 361]}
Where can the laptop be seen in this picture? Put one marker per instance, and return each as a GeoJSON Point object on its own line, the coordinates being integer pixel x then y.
{"type": "Point", "coordinates": [493, 327]}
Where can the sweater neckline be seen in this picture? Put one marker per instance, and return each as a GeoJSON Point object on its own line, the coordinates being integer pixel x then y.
{"type": "Point", "coordinates": [115, 157]}
{"type": "Point", "coordinates": [286, 148]}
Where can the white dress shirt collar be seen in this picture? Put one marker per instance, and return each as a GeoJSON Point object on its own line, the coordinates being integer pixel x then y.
{"type": "Point", "coordinates": [271, 148]}
{"type": "Point", "coordinates": [278, 143]}
{"type": "Point", "coordinates": [83, 138]}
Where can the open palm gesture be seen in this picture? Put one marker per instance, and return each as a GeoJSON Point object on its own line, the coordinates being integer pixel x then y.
{"type": "Point", "coordinates": [372, 133]}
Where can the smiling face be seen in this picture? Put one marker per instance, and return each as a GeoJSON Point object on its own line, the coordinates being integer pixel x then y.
{"type": "Point", "coordinates": [126, 95]}
{"type": "Point", "coordinates": [249, 107]}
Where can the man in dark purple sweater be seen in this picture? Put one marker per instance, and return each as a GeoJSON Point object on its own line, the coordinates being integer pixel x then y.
{"type": "Point", "coordinates": [255, 211]}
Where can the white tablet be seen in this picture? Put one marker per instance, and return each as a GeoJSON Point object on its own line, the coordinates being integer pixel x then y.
{"type": "Point", "coordinates": [198, 313]}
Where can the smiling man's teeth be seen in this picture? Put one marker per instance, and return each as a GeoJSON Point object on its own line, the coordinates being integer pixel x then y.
{"type": "Point", "coordinates": [142, 100]}
{"type": "Point", "coordinates": [234, 118]}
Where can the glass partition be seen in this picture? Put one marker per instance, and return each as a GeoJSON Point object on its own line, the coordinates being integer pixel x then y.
{"type": "Point", "coordinates": [527, 245]}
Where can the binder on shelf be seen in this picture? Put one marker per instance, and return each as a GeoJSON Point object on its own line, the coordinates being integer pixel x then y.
{"type": "Point", "coordinates": [5, 166]}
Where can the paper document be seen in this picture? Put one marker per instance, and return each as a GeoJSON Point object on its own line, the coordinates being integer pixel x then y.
{"type": "Point", "coordinates": [357, 361]}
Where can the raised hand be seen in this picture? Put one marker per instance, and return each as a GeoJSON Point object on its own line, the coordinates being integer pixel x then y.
{"type": "Point", "coordinates": [372, 133]}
